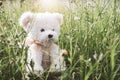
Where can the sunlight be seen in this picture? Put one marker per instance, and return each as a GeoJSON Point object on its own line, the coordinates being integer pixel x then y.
{"type": "Point", "coordinates": [50, 5]}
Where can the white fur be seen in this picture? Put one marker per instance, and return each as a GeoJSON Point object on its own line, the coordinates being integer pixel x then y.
{"type": "Point", "coordinates": [33, 23]}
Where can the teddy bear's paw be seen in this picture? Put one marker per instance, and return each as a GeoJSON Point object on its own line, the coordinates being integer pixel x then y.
{"type": "Point", "coordinates": [38, 68]}
{"type": "Point", "coordinates": [37, 73]}
{"type": "Point", "coordinates": [60, 67]}
{"type": "Point", "coordinates": [57, 67]}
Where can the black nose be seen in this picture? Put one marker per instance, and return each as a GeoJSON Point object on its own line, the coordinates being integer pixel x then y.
{"type": "Point", "coordinates": [50, 36]}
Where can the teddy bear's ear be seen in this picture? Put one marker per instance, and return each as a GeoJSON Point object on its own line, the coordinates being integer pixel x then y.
{"type": "Point", "coordinates": [25, 20]}
{"type": "Point", "coordinates": [59, 18]}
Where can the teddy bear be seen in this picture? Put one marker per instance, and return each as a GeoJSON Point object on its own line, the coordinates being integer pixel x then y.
{"type": "Point", "coordinates": [43, 30]}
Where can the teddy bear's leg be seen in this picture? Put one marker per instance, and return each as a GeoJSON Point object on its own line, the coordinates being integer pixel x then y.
{"type": "Point", "coordinates": [57, 59]}
{"type": "Point", "coordinates": [35, 55]}
{"type": "Point", "coordinates": [58, 63]}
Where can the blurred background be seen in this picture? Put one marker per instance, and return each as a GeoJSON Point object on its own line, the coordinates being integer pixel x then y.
{"type": "Point", "coordinates": [90, 33]}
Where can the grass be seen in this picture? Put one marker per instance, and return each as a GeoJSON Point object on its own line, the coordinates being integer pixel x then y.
{"type": "Point", "coordinates": [90, 34]}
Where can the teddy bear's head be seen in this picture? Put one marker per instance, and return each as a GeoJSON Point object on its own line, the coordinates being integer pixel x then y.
{"type": "Point", "coordinates": [44, 27]}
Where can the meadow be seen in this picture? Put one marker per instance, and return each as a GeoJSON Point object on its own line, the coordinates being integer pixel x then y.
{"type": "Point", "coordinates": [90, 33]}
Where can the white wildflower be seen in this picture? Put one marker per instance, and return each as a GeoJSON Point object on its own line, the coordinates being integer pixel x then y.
{"type": "Point", "coordinates": [89, 59]}
{"type": "Point", "coordinates": [95, 56]}
{"type": "Point", "coordinates": [90, 4]}
{"type": "Point", "coordinates": [9, 39]}
{"type": "Point", "coordinates": [75, 29]}
{"type": "Point", "coordinates": [20, 45]}
{"type": "Point", "coordinates": [101, 56]}
{"type": "Point", "coordinates": [76, 18]}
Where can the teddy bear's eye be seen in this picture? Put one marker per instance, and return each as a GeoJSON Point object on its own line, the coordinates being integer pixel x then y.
{"type": "Point", "coordinates": [42, 30]}
{"type": "Point", "coordinates": [53, 29]}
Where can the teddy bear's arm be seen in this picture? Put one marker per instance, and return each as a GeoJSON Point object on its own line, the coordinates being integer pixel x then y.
{"type": "Point", "coordinates": [57, 59]}
{"type": "Point", "coordinates": [35, 55]}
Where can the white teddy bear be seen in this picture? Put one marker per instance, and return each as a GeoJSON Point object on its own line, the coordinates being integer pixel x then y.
{"type": "Point", "coordinates": [43, 30]}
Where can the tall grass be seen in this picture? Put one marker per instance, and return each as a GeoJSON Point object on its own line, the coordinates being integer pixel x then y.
{"type": "Point", "coordinates": [90, 34]}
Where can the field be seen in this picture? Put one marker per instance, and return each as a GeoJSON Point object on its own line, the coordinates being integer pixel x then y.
{"type": "Point", "coordinates": [90, 33]}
